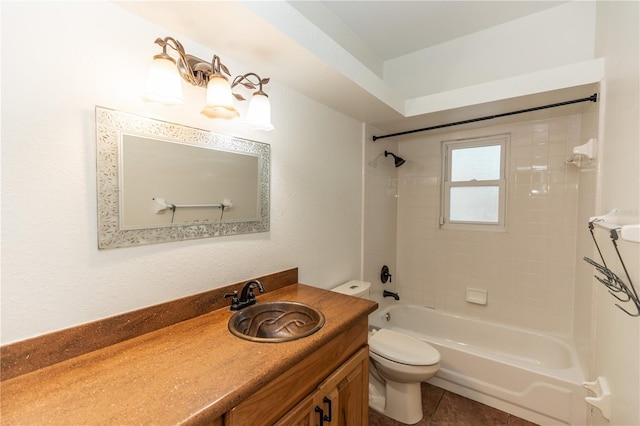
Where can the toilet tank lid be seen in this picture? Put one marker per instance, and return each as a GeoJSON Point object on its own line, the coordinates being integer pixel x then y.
{"type": "Point", "coordinates": [402, 348]}
{"type": "Point", "coordinates": [354, 288]}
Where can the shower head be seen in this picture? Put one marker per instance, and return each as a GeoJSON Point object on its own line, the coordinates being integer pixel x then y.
{"type": "Point", "coordinates": [398, 160]}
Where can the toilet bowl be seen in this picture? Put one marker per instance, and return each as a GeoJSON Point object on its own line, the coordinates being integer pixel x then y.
{"type": "Point", "coordinates": [398, 363]}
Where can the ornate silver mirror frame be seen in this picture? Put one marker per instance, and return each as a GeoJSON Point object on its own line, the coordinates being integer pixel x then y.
{"type": "Point", "coordinates": [111, 125]}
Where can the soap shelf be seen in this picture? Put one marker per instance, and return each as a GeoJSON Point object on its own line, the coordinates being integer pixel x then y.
{"type": "Point", "coordinates": [617, 287]}
{"type": "Point", "coordinates": [583, 152]}
{"type": "Point", "coordinates": [602, 398]}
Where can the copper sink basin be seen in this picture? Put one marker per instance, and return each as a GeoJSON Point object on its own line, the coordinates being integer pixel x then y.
{"type": "Point", "coordinates": [276, 322]}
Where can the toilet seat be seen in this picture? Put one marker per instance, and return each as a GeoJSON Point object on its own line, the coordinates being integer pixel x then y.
{"type": "Point", "coordinates": [403, 349]}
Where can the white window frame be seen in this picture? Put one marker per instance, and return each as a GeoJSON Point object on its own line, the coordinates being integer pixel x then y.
{"type": "Point", "coordinates": [501, 183]}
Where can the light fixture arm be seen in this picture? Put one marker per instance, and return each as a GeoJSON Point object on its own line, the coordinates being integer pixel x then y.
{"type": "Point", "coordinates": [217, 66]}
{"type": "Point", "coordinates": [183, 63]}
{"type": "Point", "coordinates": [246, 81]}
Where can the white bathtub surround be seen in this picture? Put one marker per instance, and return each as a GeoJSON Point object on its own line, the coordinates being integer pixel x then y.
{"type": "Point", "coordinates": [529, 270]}
{"type": "Point", "coordinates": [528, 374]}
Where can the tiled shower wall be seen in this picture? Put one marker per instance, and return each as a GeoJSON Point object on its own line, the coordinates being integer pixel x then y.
{"type": "Point", "coordinates": [380, 218]}
{"type": "Point", "coordinates": [528, 271]}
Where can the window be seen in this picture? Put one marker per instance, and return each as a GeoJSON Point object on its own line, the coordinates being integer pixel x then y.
{"type": "Point", "coordinates": [474, 184]}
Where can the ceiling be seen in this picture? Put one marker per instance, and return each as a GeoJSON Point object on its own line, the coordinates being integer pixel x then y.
{"type": "Point", "coordinates": [395, 28]}
{"type": "Point", "coordinates": [283, 39]}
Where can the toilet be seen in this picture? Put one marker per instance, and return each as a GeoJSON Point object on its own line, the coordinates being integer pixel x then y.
{"type": "Point", "coordinates": [398, 363]}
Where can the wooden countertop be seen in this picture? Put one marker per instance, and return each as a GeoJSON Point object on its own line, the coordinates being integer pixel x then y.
{"type": "Point", "coordinates": [187, 371]}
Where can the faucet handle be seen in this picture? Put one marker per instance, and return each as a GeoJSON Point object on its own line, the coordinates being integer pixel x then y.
{"type": "Point", "coordinates": [235, 302]}
{"type": "Point", "coordinates": [385, 274]}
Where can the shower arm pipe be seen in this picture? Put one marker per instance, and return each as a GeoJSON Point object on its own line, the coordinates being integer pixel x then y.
{"type": "Point", "coordinates": [592, 98]}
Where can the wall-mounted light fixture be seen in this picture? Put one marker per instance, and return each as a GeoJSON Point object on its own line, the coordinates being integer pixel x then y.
{"type": "Point", "coordinates": [164, 85]}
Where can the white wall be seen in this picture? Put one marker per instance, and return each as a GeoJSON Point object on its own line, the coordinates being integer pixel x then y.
{"type": "Point", "coordinates": [556, 37]}
{"type": "Point", "coordinates": [59, 60]}
{"type": "Point", "coordinates": [617, 335]}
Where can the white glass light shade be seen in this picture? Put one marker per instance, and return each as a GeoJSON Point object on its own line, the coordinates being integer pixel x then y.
{"type": "Point", "coordinates": [259, 112]}
{"type": "Point", "coordinates": [219, 98]}
{"type": "Point", "coordinates": [164, 84]}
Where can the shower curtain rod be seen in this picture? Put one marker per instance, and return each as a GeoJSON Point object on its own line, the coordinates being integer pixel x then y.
{"type": "Point", "coordinates": [592, 98]}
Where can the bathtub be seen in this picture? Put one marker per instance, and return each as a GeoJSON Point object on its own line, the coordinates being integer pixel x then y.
{"type": "Point", "coordinates": [531, 375]}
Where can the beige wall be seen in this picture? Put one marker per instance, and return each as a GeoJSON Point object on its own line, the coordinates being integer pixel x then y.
{"type": "Point", "coordinates": [616, 343]}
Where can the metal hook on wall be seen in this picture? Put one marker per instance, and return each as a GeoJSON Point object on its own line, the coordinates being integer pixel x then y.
{"type": "Point", "coordinates": [616, 286]}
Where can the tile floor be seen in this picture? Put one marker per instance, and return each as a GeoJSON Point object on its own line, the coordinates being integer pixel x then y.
{"type": "Point", "coordinates": [443, 408]}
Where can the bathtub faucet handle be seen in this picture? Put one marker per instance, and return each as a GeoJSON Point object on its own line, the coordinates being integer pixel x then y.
{"type": "Point", "coordinates": [385, 275]}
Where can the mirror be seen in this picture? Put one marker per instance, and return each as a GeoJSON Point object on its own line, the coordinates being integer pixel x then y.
{"type": "Point", "coordinates": [161, 182]}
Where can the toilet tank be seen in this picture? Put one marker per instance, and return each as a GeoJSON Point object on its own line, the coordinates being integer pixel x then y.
{"type": "Point", "coordinates": [354, 288]}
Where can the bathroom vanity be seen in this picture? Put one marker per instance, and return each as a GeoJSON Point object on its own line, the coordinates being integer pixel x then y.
{"type": "Point", "coordinates": [197, 372]}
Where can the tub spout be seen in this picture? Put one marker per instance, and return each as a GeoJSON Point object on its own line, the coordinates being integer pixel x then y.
{"type": "Point", "coordinates": [388, 293]}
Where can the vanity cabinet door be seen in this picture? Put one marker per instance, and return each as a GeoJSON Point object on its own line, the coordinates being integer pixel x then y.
{"type": "Point", "coordinates": [342, 399]}
{"type": "Point", "coordinates": [344, 395]}
{"type": "Point", "coordinates": [302, 414]}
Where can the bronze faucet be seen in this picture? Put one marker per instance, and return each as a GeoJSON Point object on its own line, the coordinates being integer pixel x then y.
{"type": "Point", "coordinates": [247, 296]}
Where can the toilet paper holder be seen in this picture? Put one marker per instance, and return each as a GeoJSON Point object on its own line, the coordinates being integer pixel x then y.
{"type": "Point", "coordinates": [602, 398]}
